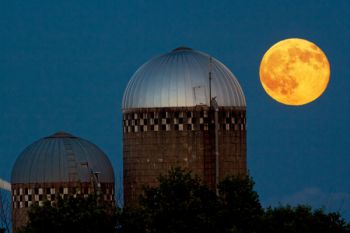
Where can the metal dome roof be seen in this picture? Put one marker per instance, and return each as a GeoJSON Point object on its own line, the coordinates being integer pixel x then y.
{"type": "Point", "coordinates": [181, 79]}
{"type": "Point", "coordinates": [57, 157]}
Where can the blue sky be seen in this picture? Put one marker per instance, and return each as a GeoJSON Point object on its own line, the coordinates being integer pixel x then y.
{"type": "Point", "coordinates": [64, 66]}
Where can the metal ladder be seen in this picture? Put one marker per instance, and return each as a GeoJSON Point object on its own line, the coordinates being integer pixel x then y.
{"type": "Point", "coordinates": [72, 163]}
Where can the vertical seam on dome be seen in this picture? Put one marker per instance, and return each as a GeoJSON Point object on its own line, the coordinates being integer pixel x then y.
{"type": "Point", "coordinates": [188, 76]}
{"type": "Point", "coordinates": [173, 79]}
{"type": "Point", "coordinates": [183, 78]}
{"type": "Point", "coordinates": [133, 85]}
{"type": "Point", "coordinates": [151, 72]}
{"type": "Point", "coordinates": [54, 160]}
{"type": "Point", "coordinates": [29, 171]}
{"type": "Point", "coordinates": [43, 157]}
{"type": "Point", "coordinates": [239, 100]}
{"type": "Point", "coordinates": [22, 159]}
{"type": "Point", "coordinates": [240, 94]}
{"type": "Point", "coordinates": [161, 79]}
{"type": "Point", "coordinates": [86, 157]}
{"type": "Point", "coordinates": [204, 67]}
{"type": "Point", "coordinates": [140, 81]}
{"type": "Point", "coordinates": [227, 95]}
{"type": "Point", "coordinates": [129, 88]}
{"type": "Point", "coordinates": [60, 158]}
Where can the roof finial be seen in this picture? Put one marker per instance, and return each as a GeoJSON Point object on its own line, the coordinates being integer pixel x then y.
{"type": "Point", "coordinates": [61, 134]}
{"type": "Point", "coordinates": [182, 48]}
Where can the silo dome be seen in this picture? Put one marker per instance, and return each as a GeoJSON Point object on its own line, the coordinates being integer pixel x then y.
{"type": "Point", "coordinates": [180, 78]}
{"type": "Point", "coordinates": [60, 158]}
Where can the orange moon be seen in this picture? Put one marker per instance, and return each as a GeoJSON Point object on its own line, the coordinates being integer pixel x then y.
{"type": "Point", "coordinates": [294, 71]}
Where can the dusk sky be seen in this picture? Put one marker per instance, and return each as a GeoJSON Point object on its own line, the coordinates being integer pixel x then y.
{"type": "Point", "coordinates": [64, 65]}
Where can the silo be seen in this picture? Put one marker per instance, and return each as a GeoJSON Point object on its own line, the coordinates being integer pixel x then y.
{"type": "Point", "coordinates": [184, 108]}
{"type": "Point", "coordinates": [59, 165]}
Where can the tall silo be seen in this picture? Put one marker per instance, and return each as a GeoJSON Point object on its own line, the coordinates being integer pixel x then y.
{"type": "Point", "coordinates": [59, 165]}
{"type": "Point", "coordinates": [184, 108]}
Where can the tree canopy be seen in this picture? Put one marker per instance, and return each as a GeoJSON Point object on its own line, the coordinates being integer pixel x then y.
{"type": "Point", "coordinates": [84, 215]}
{"type": "Point", "coordinates": [302, 219]}
{"type": "Point", "coordinates": [181, 203]}
{"type": "Point", "coordinates": [240, 207]}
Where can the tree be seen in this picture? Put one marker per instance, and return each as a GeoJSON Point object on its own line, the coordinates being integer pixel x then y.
{"type": "Point", "coordinates": [302, 219]}
{"type": "Point", "coordinates": [240, 206]}
{"type": "Point", "coordinates": [181, 203]}
{"type": "Point", "coordinates": [78, 214]}
{"type": "Point", "coordinates": [132, 220]}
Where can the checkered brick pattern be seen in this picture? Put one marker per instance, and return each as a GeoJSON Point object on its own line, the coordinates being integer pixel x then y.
{"type": "Point", "coordinates": [182, 121]}
{"type": "Point", "coordinates": [24, 197]}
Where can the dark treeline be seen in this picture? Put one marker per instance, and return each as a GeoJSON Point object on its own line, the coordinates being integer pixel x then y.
{"type": "Point", "coordinates": [180, 204]}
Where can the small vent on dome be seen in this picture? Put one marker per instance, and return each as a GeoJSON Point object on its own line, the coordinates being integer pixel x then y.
{"type": "Point", "coordinates": [182, 48]}
{"type": "Point", "coordinates": [61, 134]}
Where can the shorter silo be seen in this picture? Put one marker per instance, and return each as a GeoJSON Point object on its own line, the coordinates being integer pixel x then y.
{"type": "Point", "coordinates": [59, 165]}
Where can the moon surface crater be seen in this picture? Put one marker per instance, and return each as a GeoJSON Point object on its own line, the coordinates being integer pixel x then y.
{"type": "Point", "coordinates": [294, 72]}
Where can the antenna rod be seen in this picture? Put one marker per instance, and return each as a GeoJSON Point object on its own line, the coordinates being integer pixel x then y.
{"type": "Point", "coordinates": [216, 140]}
{"type": "Point", "coordinates": [210, 67]}
{"type": "Point", "coordinates": [214, 105]}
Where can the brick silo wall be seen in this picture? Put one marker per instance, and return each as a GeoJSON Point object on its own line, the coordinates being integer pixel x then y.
{"type": "Point", "coordinates": [158, 139]}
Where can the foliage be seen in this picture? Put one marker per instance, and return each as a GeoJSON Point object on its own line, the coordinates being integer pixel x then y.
{"type": "Point", "coordinates": [132, 220]}
{"type": "Point", "coordinates": [84, 215]}
{"type": "Point", "coordinates": [181, 203]}
{"type": "Point", "coordinates": [240, 206]}
{"type": "Point", "coordinates": [302, 219]}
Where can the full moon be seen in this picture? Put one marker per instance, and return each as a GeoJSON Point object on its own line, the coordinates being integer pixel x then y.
{"type": "Point", "coordinates": [294, 71]}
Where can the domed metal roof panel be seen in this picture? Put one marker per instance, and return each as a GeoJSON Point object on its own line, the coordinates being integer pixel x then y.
{"type": "Point", "coordinates": [181, 79]}
{"type": "Point", "coordinates": [56, 158]}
